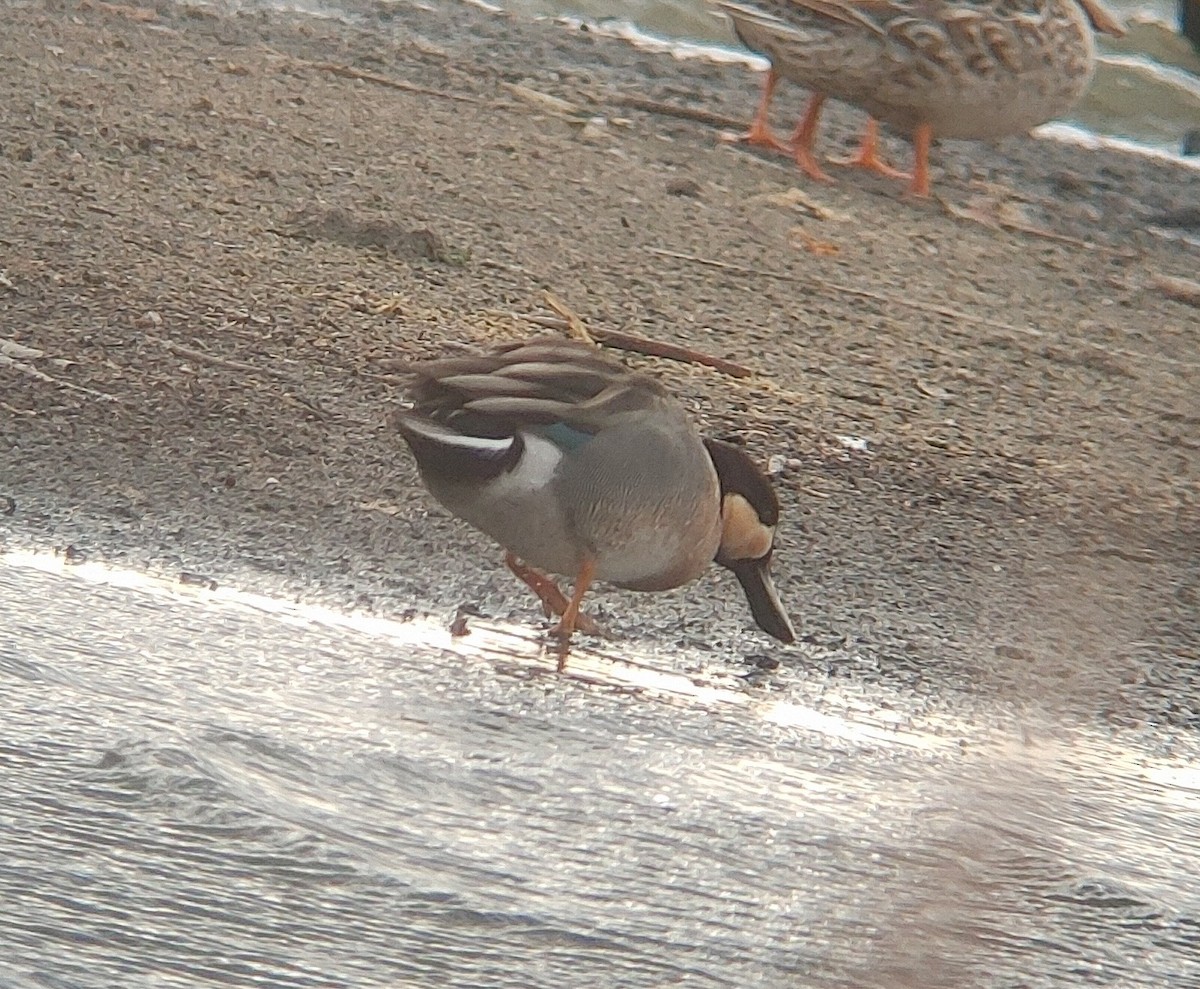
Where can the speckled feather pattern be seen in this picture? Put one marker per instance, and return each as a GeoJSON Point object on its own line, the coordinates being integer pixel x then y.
{"type": "Point", "coordinates": [971, 70]}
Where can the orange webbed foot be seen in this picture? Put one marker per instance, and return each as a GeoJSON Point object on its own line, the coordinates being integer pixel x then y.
{"type": "Point", "coordinates": [807, 162]}
{"type": "Point", "coordinates": [920, 184]}
{"type": "Point", "coordinates": [570, 618]}
{"type": "Point", "coordinates": [760, 134]}
{"type": "Point", "coordinates": [867, 157]}
{"type": "Point", "coordinates": [805, 136]}
{"type": "Point", "coordinates": [554, 601]}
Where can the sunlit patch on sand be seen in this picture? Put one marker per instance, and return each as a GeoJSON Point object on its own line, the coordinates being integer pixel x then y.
{"type": "Point", "coordinates": [512, 649]}
{"type": "Point", "coordinates": [525, 651]}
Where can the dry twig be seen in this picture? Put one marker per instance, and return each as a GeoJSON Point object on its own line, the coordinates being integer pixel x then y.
{"type": "Point", "coordinates": [999, 222]}
{"type": "Point", "coordinates": [669, 351]}
{"type": "Point", "coordinates": [899, 300]}
{"type": "Point", "coordinates": [199, 355]}
{"type": "Point", "coordinates": [1179, 289]}
{"type": "Point", "coordinates": [862, 293]}
{"type": "Point", "coordinates": [30, 371]}
{"type": "Point", "coordinates": [565, 312]}
{"type": "Point", "coordinates": [569, 322]}
{"type": "Point", "coordinates": [349, 72]}
{"type": "Point", "coordinates": [674, 110]}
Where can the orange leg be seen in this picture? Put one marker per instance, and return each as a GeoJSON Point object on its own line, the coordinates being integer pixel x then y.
{"type": "Point", "coordinates": [571, 616]}
{"type": "Point", "coordinates": [554, 601]}
{"type": "Point", "coordinates": [867, 155]}
{"type": "Point", "coordinates": [922, 139]}
{"type": "Point", "coordinates": [759, 135]}
{"type": "Point", "coordinates": [805, 135]}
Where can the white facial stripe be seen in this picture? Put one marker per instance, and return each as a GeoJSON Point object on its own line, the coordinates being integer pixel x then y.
{"type": "Point", "coordinates": [743, 534]}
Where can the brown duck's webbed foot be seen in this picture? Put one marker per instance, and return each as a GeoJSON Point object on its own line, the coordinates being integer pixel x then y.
{"type": "Point", "coordinates": [760, 135]}
{"type": "Point", "coordinates": [867, 156]}
{"type": "Point", "coordinates": [804, 138]}
{"type": "Point", "coordinates": [922, 139]}
{"type": "Point", "coordinates": [554, 601]}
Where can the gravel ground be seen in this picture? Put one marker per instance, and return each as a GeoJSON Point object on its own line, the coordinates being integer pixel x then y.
{"type": "Point", "coordinates": [220, 228]}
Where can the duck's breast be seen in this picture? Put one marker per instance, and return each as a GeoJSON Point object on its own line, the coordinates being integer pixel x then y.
{"type": "Point", "coordinates": [645, 501]}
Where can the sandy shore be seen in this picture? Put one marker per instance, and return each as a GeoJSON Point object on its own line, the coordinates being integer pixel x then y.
{"type": "Point", "coordinates": [219, 229]}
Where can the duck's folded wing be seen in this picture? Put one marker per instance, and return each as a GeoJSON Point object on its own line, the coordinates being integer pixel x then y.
{"type": "Point", "coordinates": [745, 14]}
{"type": "Point", "coordinates": [862, 15]}
{"type": "Point", "coordinates": [446, 452]}
{"type": "Point", "coordinates": [540, 383]}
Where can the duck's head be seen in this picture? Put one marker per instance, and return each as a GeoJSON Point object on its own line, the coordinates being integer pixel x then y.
{"type": "Point", "coordinates": [749, 514]}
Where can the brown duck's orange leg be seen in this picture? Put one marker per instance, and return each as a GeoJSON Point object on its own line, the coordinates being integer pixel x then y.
{"type": "Point", "coordinates": [922, 139]}
{"type": "Point", "coordinates": [759, 135]}
{"type": "Point", "coordinates": [805, 135]}
{"type": "Point", "coordinates": [571, 616]}
{"type": "Point", "coordinates": [867, 155]}
{"type": "Point", "coordinates": [554, 601]}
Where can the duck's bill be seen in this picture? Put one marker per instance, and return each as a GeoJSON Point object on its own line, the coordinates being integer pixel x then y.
{"type": "Point", "coordinates": [768, 611]}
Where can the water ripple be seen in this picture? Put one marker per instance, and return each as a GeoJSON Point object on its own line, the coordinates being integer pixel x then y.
{"type": "Point", "coordinates": [214, 789]}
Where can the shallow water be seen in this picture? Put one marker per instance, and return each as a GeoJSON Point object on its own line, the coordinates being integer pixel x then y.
{"type": "Point", "coordinates": [213, 788]}
{"type": "Point", "coordinates": [1146, 88]}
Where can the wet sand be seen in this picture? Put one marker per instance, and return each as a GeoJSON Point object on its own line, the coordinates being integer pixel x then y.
{"type": "Point", "coordinates": [220, 230]}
